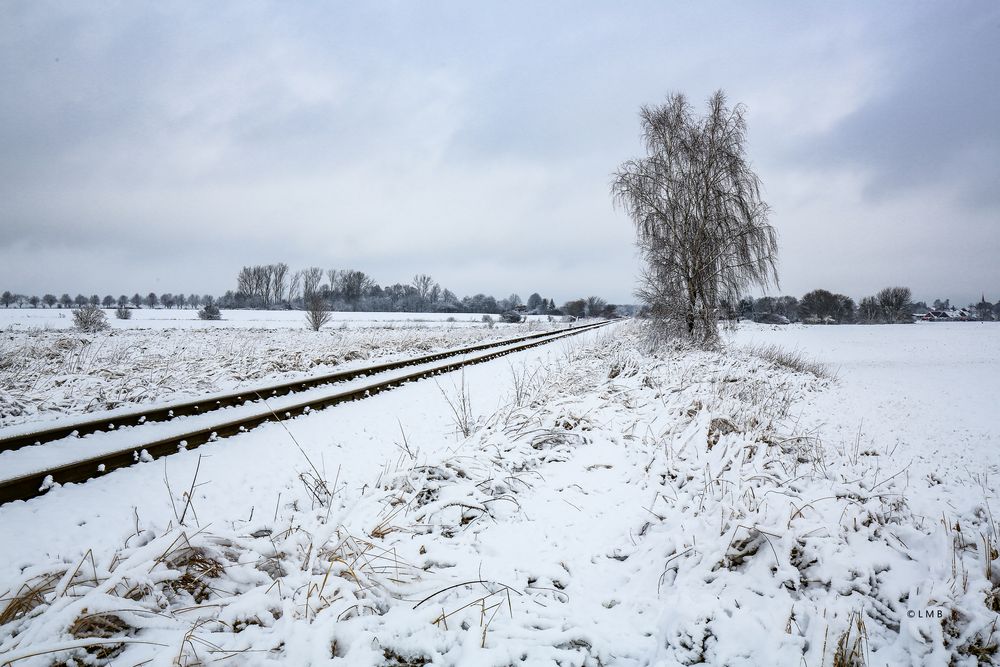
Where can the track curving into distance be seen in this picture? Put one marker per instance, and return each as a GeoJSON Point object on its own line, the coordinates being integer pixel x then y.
{"type": "Point", "coordinates": [33, 484]}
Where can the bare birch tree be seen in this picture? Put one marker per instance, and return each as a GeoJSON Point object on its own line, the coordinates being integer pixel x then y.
{"type": "Point", "coordinates": [701, 224]}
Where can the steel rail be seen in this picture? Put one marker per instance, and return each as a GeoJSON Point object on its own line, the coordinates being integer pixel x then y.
{"type": "Point", "coordinates": [33, 484]}
{"type": "Point", "coordinates": [208, 404]}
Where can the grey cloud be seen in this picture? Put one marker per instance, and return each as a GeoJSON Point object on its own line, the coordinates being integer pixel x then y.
{"type": "Point", "coordinates": [471, 141]}
{"type": "Point", "coordinates": [935, 122]}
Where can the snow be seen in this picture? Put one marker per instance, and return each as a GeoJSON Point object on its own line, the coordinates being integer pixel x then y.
{"type": "Point", "coordinates": [26, 460]}
{"type": "Point", "coordinates": [56, 372]}
{"type": "Point", "coordinates": [614, 505]}
{"type": "Point", "coordinates": [16, 319]}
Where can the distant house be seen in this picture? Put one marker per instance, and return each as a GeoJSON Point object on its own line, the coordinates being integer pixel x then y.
{"type": "Point", "coordinates": [960, 315]}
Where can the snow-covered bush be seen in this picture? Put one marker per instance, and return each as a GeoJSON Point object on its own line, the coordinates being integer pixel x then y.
{"type": "Point", "coordinates": [123, 313]}
{"type": "Point", "coordinates": [210, 312]}
{"type": "Point", "coordinates": [90, 318]}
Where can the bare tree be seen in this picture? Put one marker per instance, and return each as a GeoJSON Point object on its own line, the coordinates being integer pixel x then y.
{"type": "Point", "coordinates": [595, 306]}
{"type": "Point", "coordinates": [895, 304]}
{"type": "Point", "coordinates": [575, 308]}
{"type": "Point", "coordinates": [7, 298]}
{"type": "Point", "coordinates": [823, 306]}
{"type": "Point", "coordinates": [352, 285]}
{"type": "Point", "coordinates": [33, 300]}
{"type": "Point", "coordinates": [423, 283]}
{"type": "Point", "coordinates": [108, 301]}
{"type": "Point", "coordinates": [869, 310]}
{"type": "Point", "coordinates": [263, 284]}
{"type": "Point", "coordinates": [317, 313]}
{"type": "Point", "coordinates": [279, 281]}
{"type": "Point", "coordinates": [49, 300]}
{"type": "Point", "coordinates": [311, 280]}
{"type": "Point", "coordinates": [700, 221]}
{"type": "Point", "coordinates": [294, 286]}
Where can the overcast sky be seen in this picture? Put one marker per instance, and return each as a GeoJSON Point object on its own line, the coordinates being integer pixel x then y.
{"type": "Point", "coordinates": [160, 146]}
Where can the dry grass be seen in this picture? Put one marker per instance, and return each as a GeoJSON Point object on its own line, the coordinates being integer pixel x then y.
{"type": "Point", "coordinates": [792, 360]}
{"type": "Point", "coordinates": [28, 597]}
{"type": "Point", "coordinates": [852, 645]}
{"type": "Point", "coordinates": [526, 382]}
{"type": "Point", "coordinates": [101, 625]}
{"type": "Point", "coordinates": [198, 570]}
{"type": "Point", "coordinates": [621, 364]}
{"type": "Point", "coordinates": [496, 598]}
{"type": "Point", "coordinates": [466, 422]}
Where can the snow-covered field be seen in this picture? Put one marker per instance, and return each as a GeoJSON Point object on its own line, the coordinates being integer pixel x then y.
{"type": "Point", "coordinates": [48, 372]}
{"type": "Point", "coordinates": [16, 319]}
{"type": "Point", "coordinates": [610, 505]}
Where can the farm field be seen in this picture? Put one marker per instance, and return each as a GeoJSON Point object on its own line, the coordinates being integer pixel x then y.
{"type": "Point", "coordinates": [594, 502]}
{"type": "Point", "coordinates": [48, 370]}
{"type": "Point", "coordinates": [928, 390]}
{"type": "Point", "coordinates": [18, 319]}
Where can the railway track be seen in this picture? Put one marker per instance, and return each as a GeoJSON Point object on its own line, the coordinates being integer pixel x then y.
{"type": "Point", "coordinates": [30, 485]}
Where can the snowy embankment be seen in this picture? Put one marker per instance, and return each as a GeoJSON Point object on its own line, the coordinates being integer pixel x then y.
{"type": "Point", "coordinates": [618, 507]}
{"type": "Point", "coordinates": [53, 373]}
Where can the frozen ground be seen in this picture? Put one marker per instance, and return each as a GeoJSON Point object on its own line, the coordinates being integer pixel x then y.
{"type": "Point", "coordinates": [929, 390]}
{"type": "Point", "coordinates": [16, 319]}
{"type": "Point", "coordinates": [609, 506]}
{"type": "Point", "coordinates": [49, 372]}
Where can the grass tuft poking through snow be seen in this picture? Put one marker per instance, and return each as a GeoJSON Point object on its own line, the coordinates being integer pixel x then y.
{"type": "Point", "coordinates": [792, 360]}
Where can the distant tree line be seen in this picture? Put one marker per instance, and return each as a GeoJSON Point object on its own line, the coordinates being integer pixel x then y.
{"type": "Point", "coordinates": [274, 286]}
{"type": "Point", "coordinates": [150, 300]}
{"type": "Point", "coordinates": [890, 305]}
